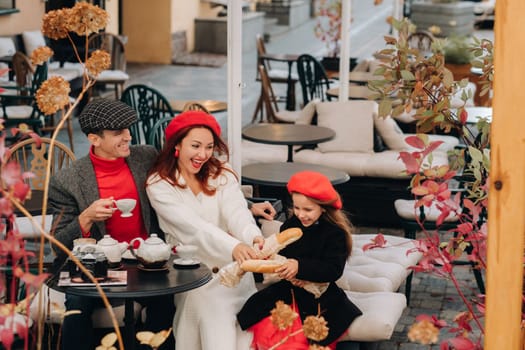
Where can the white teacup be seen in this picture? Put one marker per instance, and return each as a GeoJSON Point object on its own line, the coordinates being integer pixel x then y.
{"type": "Point", "coordinates": [125, 206]}
{"type": "Point", "coordinates": [186, 252]}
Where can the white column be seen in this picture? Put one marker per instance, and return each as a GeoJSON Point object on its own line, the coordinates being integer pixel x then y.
{"type": "Point", "coordinates": [344, 62]}
{"type": "Point", "coordinates": [235, 83]}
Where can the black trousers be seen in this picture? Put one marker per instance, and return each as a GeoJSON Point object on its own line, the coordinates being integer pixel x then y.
{"type": "Point", "coordinates": [77, 328]}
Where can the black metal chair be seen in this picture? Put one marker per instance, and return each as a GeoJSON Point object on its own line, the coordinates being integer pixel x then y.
{"type": "Point", "coordinates": [151, 106]}
{"type": "Point", "coordinates": [313, 78]}
{"type": "Point", "coordinates": [157, 135]}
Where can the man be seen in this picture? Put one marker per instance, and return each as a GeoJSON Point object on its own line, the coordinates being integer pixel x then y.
{"type": "Point", "coordinates": [81, 198]}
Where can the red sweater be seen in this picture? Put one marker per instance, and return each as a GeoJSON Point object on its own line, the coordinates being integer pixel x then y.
{"type": "Point", "coordinates": [115, 180]}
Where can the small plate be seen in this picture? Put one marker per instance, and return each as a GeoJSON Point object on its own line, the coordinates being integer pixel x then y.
{"type": "Point", "coordinates": [185, 264]}
{"type": "Point", "coordinates": [141, 267]}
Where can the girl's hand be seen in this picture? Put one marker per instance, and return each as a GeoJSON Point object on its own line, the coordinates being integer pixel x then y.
{"type": "Point", "coordinates": [297, 283]}
{"type": "Point", "coordinates": [289, 269]}
{"type": "Point", "coordinates": [259, 242]}
{"type": "Point", "coordinates": [242, 252]}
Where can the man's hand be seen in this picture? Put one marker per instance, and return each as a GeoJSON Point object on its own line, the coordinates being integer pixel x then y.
{"type": "Point", "coordinates": [264, 210]}
{"type": "Point", "coordinates": [99, 210]}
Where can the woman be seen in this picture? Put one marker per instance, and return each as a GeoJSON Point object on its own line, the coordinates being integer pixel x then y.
{"type": "Point", "coordinates": [198, 200]}
{"type": "Point", "coordinates": [319, 256]}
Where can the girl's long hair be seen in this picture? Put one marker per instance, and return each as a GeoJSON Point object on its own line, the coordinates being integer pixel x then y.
{"type": "Point", "coordinates": [336, 217]}
{"type": "Point", "coordinates": [166, 165]}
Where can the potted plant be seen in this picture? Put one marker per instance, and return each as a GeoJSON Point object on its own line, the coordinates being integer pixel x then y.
{"type": "Point", "coordinates": [328, 30]}
{"type": "Point", "coordinates": [458, 56]}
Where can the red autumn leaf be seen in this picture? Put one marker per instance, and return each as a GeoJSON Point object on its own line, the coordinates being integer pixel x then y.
{"type": "Point", "coordinates": [11, 173]}
{"type": "Point", "coordinates": [431, 147]}
{"type": "Point", "coordinates": [7, 338]}
{"type": "Point", "coordinates": [411, 164]}
{"type": "Point", "coordinates": [415, 141]}
{"type": "Point", "coordinates": [21, 190]}
{"type": "Point", "coordinates": [463, 116]}
{"type": "Point", "coordinates": [462, 343]}
{"type": "Point", "coordinates": [378, 241]}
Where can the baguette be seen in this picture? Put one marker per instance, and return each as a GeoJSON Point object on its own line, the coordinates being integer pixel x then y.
{"type": "Point", "coordinates": [289, 236]}
{"type": "Point", "coordinates": [261, 266]}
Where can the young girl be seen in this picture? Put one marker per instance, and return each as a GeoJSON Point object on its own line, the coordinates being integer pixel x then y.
{"type": "Point", "coordinates": [319, 256]}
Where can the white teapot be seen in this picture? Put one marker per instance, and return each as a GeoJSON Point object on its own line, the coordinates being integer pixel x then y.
{"type": "Point", "coordinates": [152, 252]}
{"type": "Point", "coordinates": [112, 249]}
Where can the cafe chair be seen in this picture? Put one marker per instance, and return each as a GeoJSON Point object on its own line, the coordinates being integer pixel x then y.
{"type": "Point", "coordinates": [275, 75]}
{"type": "Point", "coordinates": [313, 78]}
{"type": "Point", "coordinates": [19, 105]}
{"type": "Point", "coordinates": [421, 40]}
{"type": "Point", "coordinates": [273, 115]}
{"type": "Point", "coordinates": [33, 158]}
{"type": "Point", "coordinates": [157, 136]}
{"type": "Point", "coordinates": [116, 75]}
{"type": "Point", "coordinates": [150, 105]}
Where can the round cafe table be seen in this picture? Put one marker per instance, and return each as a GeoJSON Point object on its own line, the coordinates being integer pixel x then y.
{"type": "Point", "coordinates": [288, 134]}
{"type": "Point", "coordinates": [141, 284]}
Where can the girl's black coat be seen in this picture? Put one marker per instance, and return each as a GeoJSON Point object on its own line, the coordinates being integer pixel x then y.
{"type": "Point", "coordinates": [321, 253]}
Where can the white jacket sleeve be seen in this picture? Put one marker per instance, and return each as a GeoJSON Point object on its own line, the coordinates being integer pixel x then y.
{"type": "Point", "coordinates": [235, 212]}
{"type": "Point", "coordinates": [181, 223]}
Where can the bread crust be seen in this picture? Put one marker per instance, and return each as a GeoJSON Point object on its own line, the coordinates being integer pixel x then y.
{"type": "Point", "coordinates": [289, 235]}
{"type": "Point", "coordinates": [261, 266]}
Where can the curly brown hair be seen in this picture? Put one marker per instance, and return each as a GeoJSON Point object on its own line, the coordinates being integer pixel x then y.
{"type": "Point", "coordinates": [166, 165]}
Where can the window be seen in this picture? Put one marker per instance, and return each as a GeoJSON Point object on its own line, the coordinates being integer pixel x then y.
{"type": "Point", "coordinates": [7, 7]}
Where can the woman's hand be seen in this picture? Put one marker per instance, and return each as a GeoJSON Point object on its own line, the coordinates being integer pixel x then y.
{"type": "Point", "coordinates": [242, 252]}
{"type": "Point", "coordinates": [264, 210]}
{"type": "Point", "coordinates": [259, 242]}
{"type": "Point", "coordinates": [289, 269]}
{"type": "Point", "coordinates": [298, 283]}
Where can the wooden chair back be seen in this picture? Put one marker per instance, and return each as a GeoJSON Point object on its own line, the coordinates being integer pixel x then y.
{"type": "Point", "coordinates": [194, 106]}
{"type": "Point", "coordinates": [114, 45]}
{"type": "Point", "coordinates": [150, 105]}
{"type": "Point", "coordinates": [269, 98]}
{"type": "Point", "coordinates": [313, 78]}
{"type": "Point", "coordinates": [421, 40]}
{"type": "Point", "coordinates": [33, 157]}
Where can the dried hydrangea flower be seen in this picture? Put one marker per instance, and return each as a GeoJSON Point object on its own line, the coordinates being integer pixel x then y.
{"type": "Point", "coordinates": [87, 18]}
{"type": "Point", "coordinates": [55, 24]}
{"type": "Point", "coordinates": [98, 61]}
{"type": "Point", "coordinates": [40, 55]}
{"type": "Point", "coordinates": [53, 95]}
{"type": "Point", "coordinates": [423, 332]}
{"type": "Point", "coordinates": [314, 327]}
{"type": "Point", "coordinates": [282, 316]}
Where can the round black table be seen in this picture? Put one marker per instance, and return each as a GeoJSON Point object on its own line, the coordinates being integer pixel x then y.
{"type": "Point", "coordinates": [288, 134]}
{"type": "Point", "coordinates": [278, 174]}
{"type": "Point", "coordinates": [142, 284]}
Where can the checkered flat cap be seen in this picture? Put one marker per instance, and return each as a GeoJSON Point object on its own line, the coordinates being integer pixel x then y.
{"type": "Point", "coordinates": [103, 114]}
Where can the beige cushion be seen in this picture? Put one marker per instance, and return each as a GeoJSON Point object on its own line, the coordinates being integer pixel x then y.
{"type": "Point", "coordinates": [255, 152]}
{"type": "Point", "coordinates": [405, 209]}
{"type": "Point", "coordinates": [381, 312]}
{"type": "Point", "coordinates": [288, 116]}
{"type": "Point", "coordinates": [17, 112]}
{"type": "Point", "coordinates": [32, 40]}
{"type": "Point", "coordinates": [390, 132]}
{"type": "Point", "coordinates": [308, 112]}
{"type": "Point", "coordinates": [7, 47]}
{"type": "Point", "coordinates": [112, 75]}
{"type": "Point", "coordinates": [353, 123]}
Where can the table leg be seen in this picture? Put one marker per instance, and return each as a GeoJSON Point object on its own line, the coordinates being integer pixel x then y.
{"type": "Point", "coordinates": [290, 154]}
{"type": "Point", "coordinates": [290, 91]}
{"type": "Point", "coordinates": [129, 324]}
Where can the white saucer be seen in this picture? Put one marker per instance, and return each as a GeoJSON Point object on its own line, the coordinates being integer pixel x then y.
{"type": "Point", "coordinates": [126, 215]}
{"type": "Point", "coordinates": [185, 262]}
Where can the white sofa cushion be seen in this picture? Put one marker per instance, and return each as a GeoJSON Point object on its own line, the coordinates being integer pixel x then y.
{"type": "Point", "coordinates": [28, 230]}
{"type": "Point", "coordinates": [254, 152]}
{"type": "Point", "coordinates": [381, 312]}
{"type": "Point", "coordinates": [390, 132]}
{"type": "Point", "coordinates": [32, 40]}
{"type": "Point", "coordinates": [7, 47]}
{"type": "Point", "coordinates": [353, 123]}
{"type": "Point", "coordinates": [308, 112]}
{"type": "Point", "coordinates": [405, 209]}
